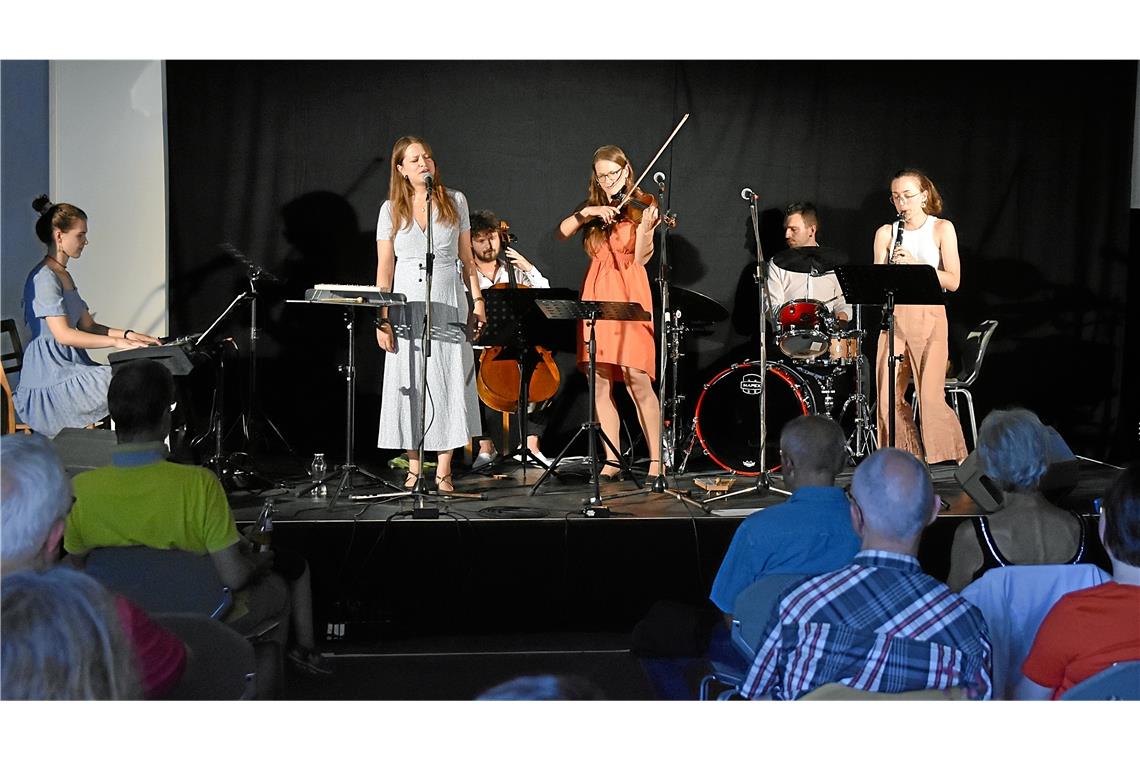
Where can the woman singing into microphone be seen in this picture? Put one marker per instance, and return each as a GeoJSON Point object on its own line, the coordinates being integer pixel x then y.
{"type": "Point", "coordinates": [618, 249]}
{"type": "Point", "coordinates": [452, 405]}
{"type": "Point", "coordinates": [919, 238]}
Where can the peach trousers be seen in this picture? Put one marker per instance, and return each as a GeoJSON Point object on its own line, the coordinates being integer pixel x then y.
{"type": "Point", "coordinates": [921, 337]}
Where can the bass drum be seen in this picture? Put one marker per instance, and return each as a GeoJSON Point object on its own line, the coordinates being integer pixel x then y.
{"type": "Point", "coordinates": [728, 413]}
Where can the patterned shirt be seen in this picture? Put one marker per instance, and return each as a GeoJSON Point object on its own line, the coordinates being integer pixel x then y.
{"type": "Point", "coordinates": [878, 624]}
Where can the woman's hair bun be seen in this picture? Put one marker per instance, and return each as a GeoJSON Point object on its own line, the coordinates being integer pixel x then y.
{"type": "Point", "coordinates": [42, 204]}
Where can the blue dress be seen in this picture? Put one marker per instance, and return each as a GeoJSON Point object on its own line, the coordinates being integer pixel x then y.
{"type": "Point", "coordinates": [60, 386]}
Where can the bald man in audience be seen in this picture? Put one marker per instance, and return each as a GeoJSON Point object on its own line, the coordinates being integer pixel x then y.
{"type": "Point", "coordinates": [880, 623]}
{"type": "Point", "coordinates": [811, 532]}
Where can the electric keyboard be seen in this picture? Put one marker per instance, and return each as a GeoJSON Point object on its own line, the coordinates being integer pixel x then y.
{"type": "Point", "coordinates": [180, 355]}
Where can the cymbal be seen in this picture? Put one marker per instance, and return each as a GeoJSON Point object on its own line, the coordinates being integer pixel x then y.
{"type": "Point", "coordinates": [694, 306]}
{"type": "Point", "coordinates": [809, 259]}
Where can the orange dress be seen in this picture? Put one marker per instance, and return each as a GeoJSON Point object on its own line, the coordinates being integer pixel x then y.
{"type": "Point", "coordinates": [614, 275]}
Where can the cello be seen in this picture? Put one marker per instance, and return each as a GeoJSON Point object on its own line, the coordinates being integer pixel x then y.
{"type": "Point", "coordinates": [500, 381]}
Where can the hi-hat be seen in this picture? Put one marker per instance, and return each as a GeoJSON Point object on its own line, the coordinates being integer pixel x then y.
{"type": "Point", "coordinates": [809, 259]}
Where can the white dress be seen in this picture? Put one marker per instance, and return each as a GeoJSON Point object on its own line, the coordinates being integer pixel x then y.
{"type": "Point", "coordinates": [452, 410]}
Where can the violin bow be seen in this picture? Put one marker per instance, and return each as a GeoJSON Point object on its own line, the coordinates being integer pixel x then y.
{"type": "Point", "coordinates": [668, 140]}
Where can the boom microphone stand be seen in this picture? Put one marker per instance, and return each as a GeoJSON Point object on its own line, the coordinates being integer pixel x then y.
{"type": "Point", "coordinates": [254, 274]}
{"type": "Point", "coordinates": [660, 483]}
{"type": "Point", "coordinates": [763, 482]}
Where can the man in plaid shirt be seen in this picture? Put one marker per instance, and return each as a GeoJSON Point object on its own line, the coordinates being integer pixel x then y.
{"type": "Point", "coordinates": [880, 623]}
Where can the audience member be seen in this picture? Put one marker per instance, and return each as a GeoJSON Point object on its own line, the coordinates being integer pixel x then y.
{"type": "Point", "coordinates": [880, 623]}
{"type": "Point", "coordinates": [811, 532]}
{"type": "Point", "coordinates": [61, 638]}
{"type": "Point", "coordinates": [1013, 449]}
{"type": "Point", "coordinates": [1089, 630]}
{"type": "Point", "coordinates": [142, 499]}
{"type": "Point", "coordinates": [35, 497]}
{"type": "Point", "coordinates": [543, 688]}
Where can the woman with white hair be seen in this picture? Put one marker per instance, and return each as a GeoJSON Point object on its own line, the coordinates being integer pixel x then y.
{"type": "Point", "coordinates": [62, 638]}
{"type": "Point", "coordinates": [1013, 448]}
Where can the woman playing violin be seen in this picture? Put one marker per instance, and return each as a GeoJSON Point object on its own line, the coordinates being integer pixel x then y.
{"type": "Point", "coordinates": [619, 243]}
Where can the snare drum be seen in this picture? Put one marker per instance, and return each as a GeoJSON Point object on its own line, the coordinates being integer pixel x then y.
{"type": "Point", "coordinates": [803, 327]}
{"type": "Point", "coordinates": [728, 413]}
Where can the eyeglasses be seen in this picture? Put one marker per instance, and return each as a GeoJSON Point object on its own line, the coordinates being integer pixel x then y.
{"type": "Point", "coordinates": [609, 176]}
{"type": "Point", "coordinates": [895, 198]}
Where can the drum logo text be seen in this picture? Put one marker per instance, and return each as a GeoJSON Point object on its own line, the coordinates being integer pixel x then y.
{"type": "Point", "coordinates": [752, 385]}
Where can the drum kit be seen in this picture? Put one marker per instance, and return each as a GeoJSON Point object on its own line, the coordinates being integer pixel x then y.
{"type": "Point", "coordinates": [823, 371]}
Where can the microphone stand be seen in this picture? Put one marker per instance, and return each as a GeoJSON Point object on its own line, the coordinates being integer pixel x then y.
{"type": "Point", "coordinates": [763, 482]}
{"type": "Point", "coordinates": [660, 483]}
{"type": "Point", "coordinates": [892, 359]}
{"type": "Point", "coordinates": [419, 489]}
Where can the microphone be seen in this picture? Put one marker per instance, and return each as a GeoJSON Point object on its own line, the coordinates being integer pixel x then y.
{"type": "Point", "coordinates": [428, 180]}
{"type": "Point", "coordinates": [898, 235]}
{"type": "Point", "coordinates": [747, 194]}
{"type": "Point", "coordinates": [659, 178]}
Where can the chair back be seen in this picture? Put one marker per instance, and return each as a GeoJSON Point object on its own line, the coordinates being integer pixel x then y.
{"type": "Point", "coordinates": [12, 355]}
{"type": "Point", "coordinates": [1014, 600]}
{"type": "Point", "coordinates": [975, 351]}
{"type": "Point", "coordinates": [842, 692]}
{"type": "Point", "coordinates": [162, 580]}
{"type": "Point", "coordinates": [753, 608]}
{"type": "Point", "coordinates": [220, 662]}
{"type": "Point", "coordinates": [11, 360]}
{"type": "Point", "coordinates": [1119, 681]}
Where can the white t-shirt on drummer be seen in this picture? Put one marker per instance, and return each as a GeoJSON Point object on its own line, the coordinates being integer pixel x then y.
{"type": "Point", "coordinates": [784, 286]}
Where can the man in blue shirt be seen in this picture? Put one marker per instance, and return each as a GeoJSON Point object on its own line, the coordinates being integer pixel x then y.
{"type": "Point", "coordinates": [811, 532]}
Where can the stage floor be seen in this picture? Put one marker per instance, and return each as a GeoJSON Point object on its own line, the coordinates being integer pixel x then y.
{"type": "Point", "coordinates": [506, 493]}
{"type": "Point", "coordinates": [509, 563]}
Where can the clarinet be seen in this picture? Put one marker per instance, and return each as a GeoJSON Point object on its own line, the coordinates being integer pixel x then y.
{"type": "Point", "coordinates": [898, 238]}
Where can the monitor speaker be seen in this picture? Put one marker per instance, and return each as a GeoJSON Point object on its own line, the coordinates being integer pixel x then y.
{"type": "Point", "coordinates": [1058, 481]}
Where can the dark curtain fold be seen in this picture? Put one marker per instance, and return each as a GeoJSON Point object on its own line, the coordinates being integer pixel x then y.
{"type": "Point", "coordinates": [288, 163]}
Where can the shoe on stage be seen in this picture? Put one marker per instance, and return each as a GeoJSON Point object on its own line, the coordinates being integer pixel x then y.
{"type": "Point", "coordinates": [484, 459]}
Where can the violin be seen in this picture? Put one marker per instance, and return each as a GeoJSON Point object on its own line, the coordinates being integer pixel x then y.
{"type": "Point", "coordinates": [499, 381]}
{"type": "Point", "coordinates": [632, 208]}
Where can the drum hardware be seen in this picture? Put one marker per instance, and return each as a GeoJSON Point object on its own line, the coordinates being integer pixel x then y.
{"type": "Point", "coordinates": [862, 441]}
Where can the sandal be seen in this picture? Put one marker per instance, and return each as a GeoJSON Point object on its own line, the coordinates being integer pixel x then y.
{"type": "Point", "coordinates": [410, 480]}
{"type": "Point", "coordinates": [440, 484]}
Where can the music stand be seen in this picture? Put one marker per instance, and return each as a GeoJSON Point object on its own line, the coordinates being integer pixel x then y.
{"type": "Point", "coordinates": [512, 318]}
{"type": "Point", "coordinates": [350, 300]}
{"type": "Point", "coordinates": [591, 311]}
{"type": "Point", "coordinates": [888, 285]}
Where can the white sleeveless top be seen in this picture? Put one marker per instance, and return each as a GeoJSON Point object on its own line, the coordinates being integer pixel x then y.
{"type": "Point", "coordinates": [920, 242]}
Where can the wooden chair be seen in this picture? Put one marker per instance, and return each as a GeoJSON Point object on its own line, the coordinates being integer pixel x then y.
{"type": "Point", "coordinates": [11, 360]}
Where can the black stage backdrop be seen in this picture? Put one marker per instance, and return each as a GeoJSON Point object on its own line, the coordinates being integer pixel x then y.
{"type": "Point", "coordinates": [288, 163]}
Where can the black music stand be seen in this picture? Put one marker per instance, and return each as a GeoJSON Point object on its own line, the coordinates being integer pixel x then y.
{"type": "Point", "coordinates": [512, 320]}
{"type": "Point", "coordinates": [350, 300]}
{"type": "Point", "coordinates": [591, 311]}
{"type": "Point", "coordinates": [888, 285]}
